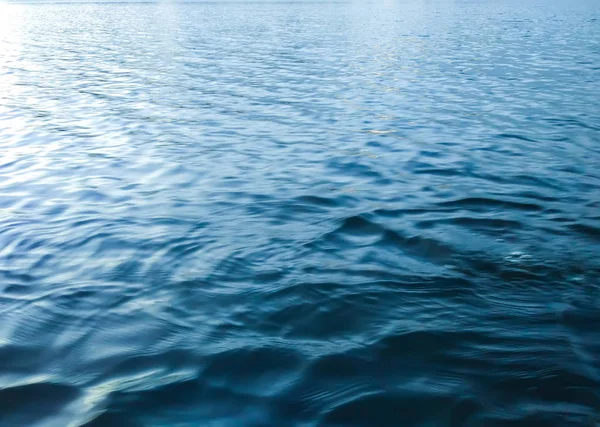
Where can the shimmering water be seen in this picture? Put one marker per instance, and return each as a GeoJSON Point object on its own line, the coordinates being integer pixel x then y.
{"type": "Point", "coordinates": [300, 214]}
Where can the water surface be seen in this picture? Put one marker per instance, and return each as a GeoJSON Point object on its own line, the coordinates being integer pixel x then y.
{"type": "Point", "coordinates": [300, 214]}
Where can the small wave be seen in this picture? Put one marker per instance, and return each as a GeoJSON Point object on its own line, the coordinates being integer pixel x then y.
{"type": "Point", "coordinates": [515, 136]}
{"type": "Point", "coordinates": [483, 203]}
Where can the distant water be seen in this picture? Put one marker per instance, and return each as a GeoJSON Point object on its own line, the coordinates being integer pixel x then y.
{"type": "Point", "coordinates": [236, 214]}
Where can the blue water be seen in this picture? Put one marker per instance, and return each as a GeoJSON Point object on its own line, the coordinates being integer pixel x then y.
{"type": "Point", "coordinates": [285, 213]}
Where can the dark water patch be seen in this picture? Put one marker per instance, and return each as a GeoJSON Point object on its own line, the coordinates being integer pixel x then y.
{"type": "Point", "coordinates": [35, 403]}
{"type": "Point", "coordinates": [474, 223]}
{"type": "Point", "coordinates": [386, 406]}
{"type": "Point", "coordinates": [320, 201]}
{"type": "Point", "coordinates": [591, 231]}
{"type": "Point", "coordinates": [359, 225]}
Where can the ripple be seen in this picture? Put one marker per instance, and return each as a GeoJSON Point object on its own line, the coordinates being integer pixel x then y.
{"type": "Point", "coordinates": [290, 214]}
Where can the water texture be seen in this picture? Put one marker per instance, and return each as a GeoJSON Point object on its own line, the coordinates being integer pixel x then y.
{"type": "Point", "coordinates": [300, 214]}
